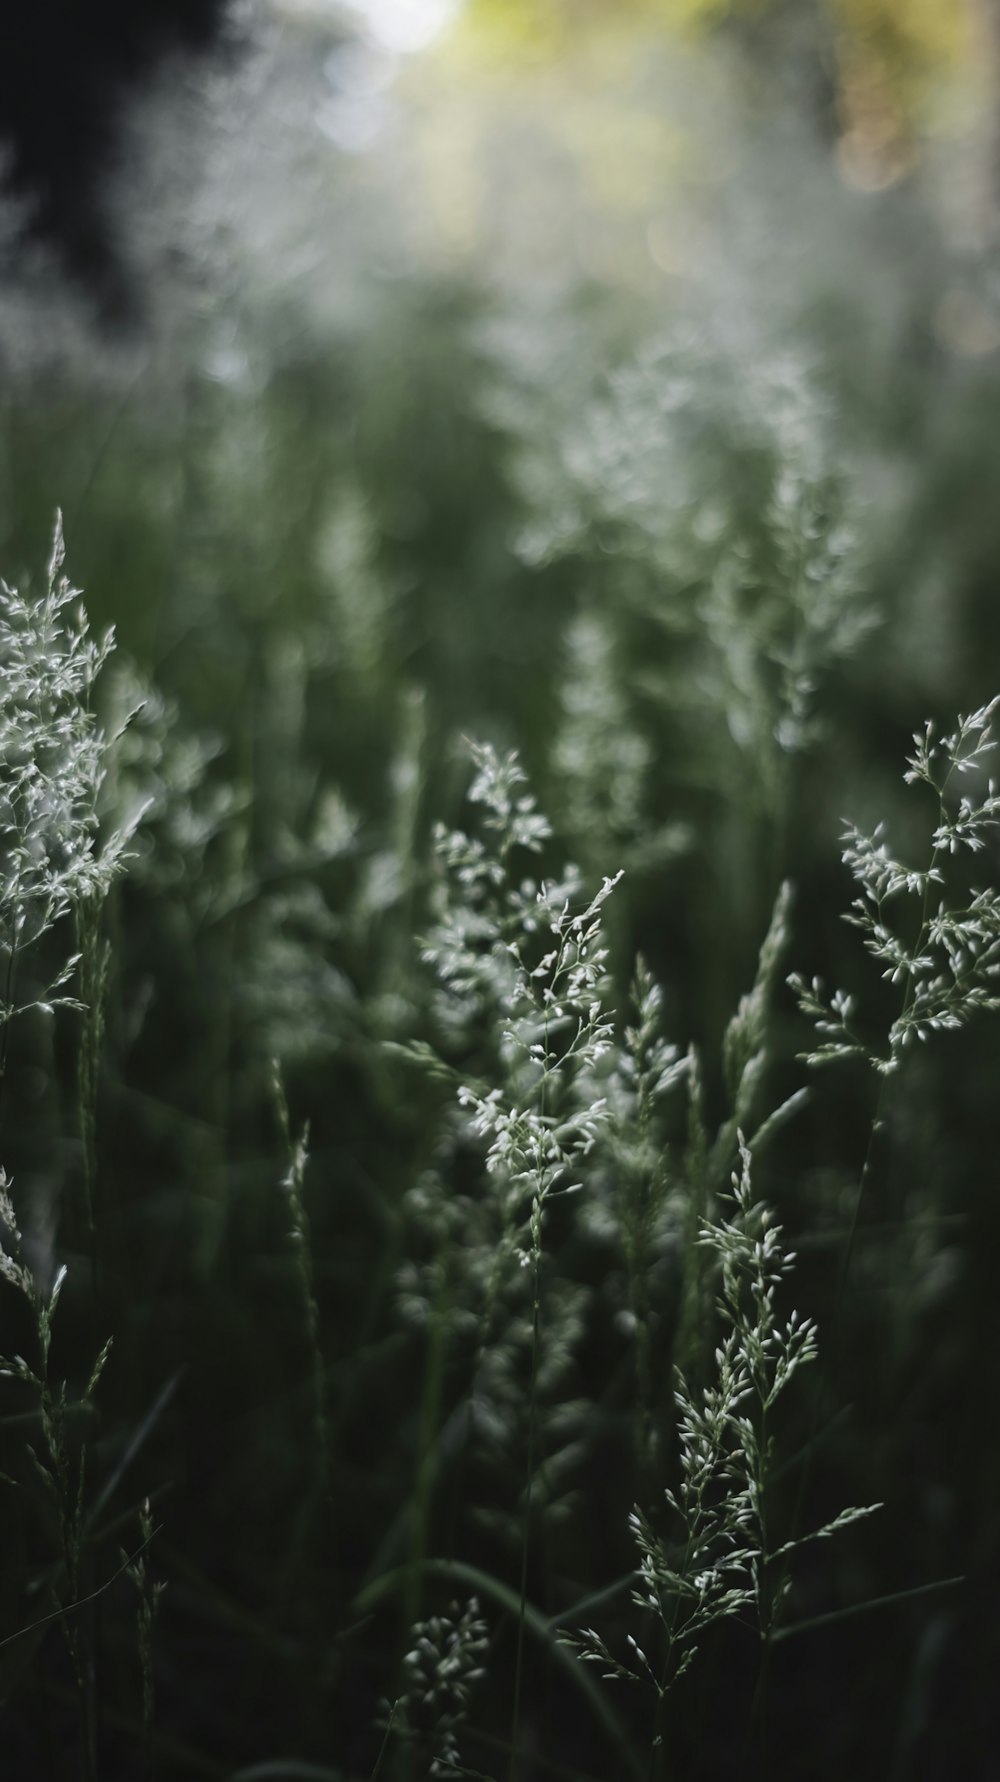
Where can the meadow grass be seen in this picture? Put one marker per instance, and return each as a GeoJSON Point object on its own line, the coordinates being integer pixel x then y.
{"type": "Point", "coordinates": [487, 1387]}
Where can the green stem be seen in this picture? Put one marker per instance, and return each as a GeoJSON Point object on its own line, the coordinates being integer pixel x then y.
{"type": "Point", "coordinates": [430, 1421]}
{"type": "Point", "coordinates": [526, 1520]}
{"type": "Point", "coordinates": [8, 1006]}
{"type": "Point", "coordinates": [847, 1254]}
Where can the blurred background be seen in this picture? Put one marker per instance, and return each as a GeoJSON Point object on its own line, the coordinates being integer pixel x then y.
{"type": "Point", "coordinates": [616, 380]}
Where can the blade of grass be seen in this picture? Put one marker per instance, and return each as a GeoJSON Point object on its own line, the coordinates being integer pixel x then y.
{"type": "Point", "coordinates": [872, 1602]}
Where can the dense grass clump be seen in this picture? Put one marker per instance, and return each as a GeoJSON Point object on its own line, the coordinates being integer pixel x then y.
{"type": "Point", "coordinates": [450, 1326]}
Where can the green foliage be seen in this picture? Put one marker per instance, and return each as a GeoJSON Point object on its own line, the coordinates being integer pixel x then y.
{"type": "Point", "coordinates": [52, 755]}
{"type": "Point", "coordinates": [948, 963]}
{"type": "Point", "coordinates": [465, 1295]}
{"type": "Point", "coordinates": [720, 1563]}
{"type": "Point", "coordinates": [441, 1669]}
{"type": "Point", "coordinates": [59, 1469]}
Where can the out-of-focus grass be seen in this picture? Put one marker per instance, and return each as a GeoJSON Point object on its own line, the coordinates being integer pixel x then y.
{"type": "Point", "coordinates": [436, 477]}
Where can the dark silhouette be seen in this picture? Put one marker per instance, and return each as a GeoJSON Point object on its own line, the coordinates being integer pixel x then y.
{"type": "Point", "coordinates": [66, 68]}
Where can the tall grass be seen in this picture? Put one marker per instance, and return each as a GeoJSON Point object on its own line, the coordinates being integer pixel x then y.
{"type": "Point", "coordinates": [540, 1314]}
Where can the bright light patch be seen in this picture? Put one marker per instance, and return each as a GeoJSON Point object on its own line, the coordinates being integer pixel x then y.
{"type": "Point", "coordinates": [404, 26]}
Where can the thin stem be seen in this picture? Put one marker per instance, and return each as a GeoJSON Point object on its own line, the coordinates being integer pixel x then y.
{"type": "Point", "coordinates": [8, 1006]}
{"type": "Point", "coordinates": [526, 1521]}
{"type": "Point", "coordinates": [847, 1253]}
{"type": "Point", "coordinates": [430, 1421]}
